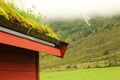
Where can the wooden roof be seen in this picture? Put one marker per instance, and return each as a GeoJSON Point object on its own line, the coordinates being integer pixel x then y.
{"type": "Point", "coordinates": [16, 35]}
{"type": "Point", "coordinates": [27, 31]}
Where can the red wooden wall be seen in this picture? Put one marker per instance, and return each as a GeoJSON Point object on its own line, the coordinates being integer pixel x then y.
{"type": "Point", "coordinates": [18, 64]}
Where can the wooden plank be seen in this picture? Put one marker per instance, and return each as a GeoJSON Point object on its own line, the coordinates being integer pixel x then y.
{"type": "Point", "coordinates": [17, 75]}
{"type": "Point", "coordinates": [25, 36]}
{"type": "Point", "coordinates": [13, 58]}
{"type": "Point", "coordinates": [18, 55]}
{"type": "Point", "coordinates": [12, 40]}
{"type": "Point", "coordinates": [14, 66]}
{"type": "Point", "coordinates": [37, 68]}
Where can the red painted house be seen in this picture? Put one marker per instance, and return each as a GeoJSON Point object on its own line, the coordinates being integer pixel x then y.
{"type": "Point", "coordinates": [19, 52]}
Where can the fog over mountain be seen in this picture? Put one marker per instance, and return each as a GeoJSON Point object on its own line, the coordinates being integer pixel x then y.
{"type": "Point", "coordinates": [66, 9]}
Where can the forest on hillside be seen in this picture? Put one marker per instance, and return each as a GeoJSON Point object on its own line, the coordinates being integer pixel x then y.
{"type": "Point", "coordinates": [73, 30]}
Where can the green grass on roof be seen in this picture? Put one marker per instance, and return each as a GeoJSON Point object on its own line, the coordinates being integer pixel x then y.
{"type": "Point", "coordinates": [18, 16]}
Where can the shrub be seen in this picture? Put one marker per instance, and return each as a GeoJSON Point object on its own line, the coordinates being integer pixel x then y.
{"type": "Point", "coordinates": [88, 66]}
{"type": "Point", "coordinates": [68, 67]}
{"type": "Point", "coordinates": [75, 66]}
{"type": "Point", "coordinates": [106, 52]}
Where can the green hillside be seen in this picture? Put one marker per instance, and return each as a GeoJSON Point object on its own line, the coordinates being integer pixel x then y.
{"type": "Point", "coordinates": [94, 45]}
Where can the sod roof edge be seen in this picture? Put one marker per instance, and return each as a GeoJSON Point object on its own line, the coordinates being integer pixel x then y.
{"type": "Point", "coordinates": [27, 31]}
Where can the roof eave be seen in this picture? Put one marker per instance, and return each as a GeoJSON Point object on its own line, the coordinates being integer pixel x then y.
{"type": "Point", "coordinates": [33, 36]}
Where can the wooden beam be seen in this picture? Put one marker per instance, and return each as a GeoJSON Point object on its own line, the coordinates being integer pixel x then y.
{"type": "Point", "coordinates": [17, 41]}
{"type": "Point", "coordinates": [21, 29]}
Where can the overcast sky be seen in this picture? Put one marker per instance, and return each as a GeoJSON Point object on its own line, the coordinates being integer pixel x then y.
{"type": "Point", "coordinates": [72, 8]}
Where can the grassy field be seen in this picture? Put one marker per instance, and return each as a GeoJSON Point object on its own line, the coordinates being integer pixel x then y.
{"type": "Point", "coordinates": [108, 73]}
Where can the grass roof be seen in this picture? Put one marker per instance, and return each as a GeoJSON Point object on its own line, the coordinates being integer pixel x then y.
{"type": "Point", "coordinates": [13, 14]}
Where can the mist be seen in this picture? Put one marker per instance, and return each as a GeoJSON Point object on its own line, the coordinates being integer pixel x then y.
{"type": "Point", "coordinates": [69, 9]}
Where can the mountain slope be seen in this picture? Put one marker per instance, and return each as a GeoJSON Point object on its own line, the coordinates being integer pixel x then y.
{"type": "Point", "coordinates": [99, 48]}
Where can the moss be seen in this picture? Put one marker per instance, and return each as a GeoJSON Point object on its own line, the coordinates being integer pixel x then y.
{"type": "Point", "coordinates": [11, 13]}
{"type": "Point", "coordinates": [3, 13]}
{"type": "Point", "coordinates": [49, 32]}
{"type": "Point", "coordinates": [1, 0]}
